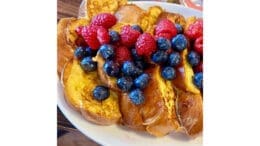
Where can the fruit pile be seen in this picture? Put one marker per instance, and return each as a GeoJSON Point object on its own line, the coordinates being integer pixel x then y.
{"type": "Point", "coordinates": [131, 51]}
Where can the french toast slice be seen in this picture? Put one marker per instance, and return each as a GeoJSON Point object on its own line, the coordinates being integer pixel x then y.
{"type": "Point", "coordinates": [157, 114]}
{"type": "Point", "coordinates": [78, 87]}
{"type": "Point", "coordinates": [190, 110]}
{"type": "Point", "coordinates": [184, 74]}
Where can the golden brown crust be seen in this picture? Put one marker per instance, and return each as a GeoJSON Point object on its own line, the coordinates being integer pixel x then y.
{"type": "Point", "coordinates": [67, 40]}
{"type": "Point", "coordinates": [65, 50]}
{"type": "Point", "coordinates": [190, 110]}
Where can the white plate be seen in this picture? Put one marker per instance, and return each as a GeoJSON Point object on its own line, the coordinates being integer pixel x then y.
{"type": "Point", "coordinates": [117, 135]}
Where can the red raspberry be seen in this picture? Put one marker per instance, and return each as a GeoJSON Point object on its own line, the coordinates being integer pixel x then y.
{"type": "Point", "coordinates": [198, 45]}
{"type": "Point", "coordinates": [199, 67]}
{"type": "Point", "coordinates": [103, 35]}
{"type": "Point", "coordinates": [195, 30]}
{"type": "Point", "coordinates": [129, 35]}
{"type": "Point", "coordinates": [165, 35]}
{"type": "Point", "coordinates": [89, 33]}
{"type": "Point", "coordinates": [106, 20]}
{"type": "Point", "coordinates": [145, 45]}
{"type": "Point", "coordinates": [166, 26]}
{"type": "Point", "coordinates": [122, 54]}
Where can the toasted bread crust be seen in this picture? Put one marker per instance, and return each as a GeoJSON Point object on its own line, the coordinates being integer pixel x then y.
{"type": "Point", "coordinates": [190, 110]}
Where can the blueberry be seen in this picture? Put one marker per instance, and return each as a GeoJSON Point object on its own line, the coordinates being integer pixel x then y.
{"type": "Point", "coordinates": [114, 36]}
{"type": "Point", "coordinates": [136, 96]}
{"type": "Point", "coordinates": [198, 80]}
{"type": "Point", "coordinates": [88, 65]}
{"type": "Point", "coordinates": [137, 28]}
{"type": "Point", "coordinates": [107, 51]}
{"type": "Point", "coordinates": [163, 44]}
{"type": "Point", "coordinates": [179, 42]}
{"type": "Point", "coordinates": [179, 28]}
{"type": "Point", "coordinates": [128, 68]}
{"type": "Point", "coordinates": [134, 54]}
{"type": "Point", "coordinates": [125, 83]}
{"type": "Point", "coordinates": [79, 53]}
{"type": "Point", "coordinates": [174, 59]}
{"type": "Point", "coordinates": [193, 58]}
{"type": "Point", "coordinates": [168, 73]}
{"type": "Point", "coordinates": [159, 57]}
{"type": "Point", "coordinates": [141, 81]}
{"type": "Point", "coordinates": [101, 93]}
{"type": "Point", "coordinates": [111, 68]}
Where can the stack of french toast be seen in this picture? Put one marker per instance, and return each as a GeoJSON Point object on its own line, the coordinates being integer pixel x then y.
{"type": "Point", "coordinates": [169, 106]}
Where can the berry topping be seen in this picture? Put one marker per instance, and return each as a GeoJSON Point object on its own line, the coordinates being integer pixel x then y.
{"type": "Point", "coordinates": [145, 45]}
{"type": "Point", "coordinates": [168, 73]}
{"type": "Point", "coordinates": [129, 69]}
{"type": "Point", "coordinates": [159, 57]}
{"type": "Point", "coordinates": [129, 35]}
{"type": "Point", "coordinates": [193, 58]}
{"type": "Point", "coordinates": [141, 81]}
{"type": "Point", "coordinates": [88, 65]}
{"type": "Point", "coordinates": [163, 43]}
{"type": "Point", "coordinates": [179, 42]}
{"type": "Point", "coordinates": [137, 28]}
{"type": "Point", "coordinates": [89, 33]}
{"type": "Point", "coordinates": [174, 59]}
{"type": "Point", "coordinates": [79, 53]}
{"type": "Point", "coordinates": [122, 54]}
{"type": "Point", "coordinates": [101, 93]}
{"type": "Point", "coordinates": [136, 96]}
{"type": "Point", "coordinates": [107, 51]}
{"type": "Point", "coordinates": [166, 26]}
{"type": "Point", "coordinates": [199, 67]}
{"type": "Point", "coordinates": [198, 80]}
{"type": "Point", "coordinates": [125, 83]}
{"type": "Point", "coordinates": [195, 30]}
{"type": "Point", "coordinates": [114, 36]}
{"type": "Point", "coordinates": [179, 28]}
{"type": "Point", "coordinates": [198, 45]}
{"type": "Point", "coordinates": [103, 35]}
{"type": "Point", "coordinates": [106, 20]}
{"type": "Point", "coordinates": [111, 68]}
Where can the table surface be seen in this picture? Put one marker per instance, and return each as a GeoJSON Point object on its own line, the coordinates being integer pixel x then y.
{"type": "Point", "coordinates": [69, 8]}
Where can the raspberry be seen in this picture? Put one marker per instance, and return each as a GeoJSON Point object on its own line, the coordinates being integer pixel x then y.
{"type": "Point", "coordinates": [122, 54]}
{"type": "Point", "coordinates": [145, 45]}
{"type": "Point", "coordinates": [198, 45]}
{"type": "Point", "coordinates": [166, 26]}
{"type": "Point", "coordinates": [195, 30]}
{"type": "Point", "coordinates": [164, 35]}
{"type": "Point", "coordinates": [103, 35]}
{"type": "Point", "coordinates": [106, 20]}
{"type": "Point", "coordinates": [129, 35]}
{"type": "Point", "coordinates": [89, 33]}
